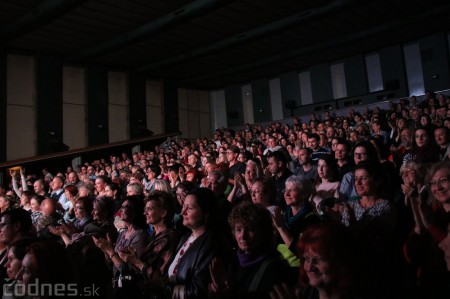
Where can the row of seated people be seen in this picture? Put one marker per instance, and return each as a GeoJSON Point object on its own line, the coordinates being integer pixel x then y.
{"type": "Point", "coordinates": [391, 201]}
{"type": "Point", "coordinates": [343, 248]}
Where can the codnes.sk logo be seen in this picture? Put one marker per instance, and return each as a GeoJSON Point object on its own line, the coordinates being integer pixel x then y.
{"type": "Point", "coordinates": [36, 289]}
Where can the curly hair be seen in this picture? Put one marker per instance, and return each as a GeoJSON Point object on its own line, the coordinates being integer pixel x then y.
{"type": "Point", "coordinates": [255, 217]}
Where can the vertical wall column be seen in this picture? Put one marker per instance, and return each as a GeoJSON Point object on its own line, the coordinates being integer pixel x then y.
{"type": "Point", "coordinates": [20, 107]}
{"type": "Point", "coordinates": [321, 87]}
{"type": "Point", "coordinates": [2, 105]}
{"type": "Point", "coordinates": [218, 109]}
{"type": "Point", "coordinates": [97, 105]}
{"type": "Point", "coordinates": [290, 92]}
{"type": "Point", "coordinates": [49, 105]}
{"type": "Point", "coordinates": [435, 62]}
{"type": "Point", "coordinates": [261, 97]}
{"type": "Point", "coordinates": [305, 87]}
{"type": "Point", "coordinates": [393, 71]}
{"type": "Point", "coordinates": [170, 101]}
{"type": "Point", "coordinates": [118, 125]}
{"type": "Point", "coordinates": [233, 99]}
{"type": "Point", "coordinates": [247, 103]}
{"type": "Point", "coordinates": [137, 105]}
{"type": "Point", "coordinates": [154, 107]}
{"type": "Point", "coordinates": [355, 76]}
{"type": "Point", "coordinates": [74, 107]}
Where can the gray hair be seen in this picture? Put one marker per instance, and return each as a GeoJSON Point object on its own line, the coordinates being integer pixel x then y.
{"type": "Point", "coordinates": [302, 183]}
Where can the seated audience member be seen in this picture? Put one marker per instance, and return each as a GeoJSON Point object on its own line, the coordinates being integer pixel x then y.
{"type": "Point", "coordinates": [424, 148]}
{"type": "Point", "coordinates": [46, 265]}
{"type": "Point", "coordinates": [189, 271]}
{"type": "Point", "coordinates": [16, 252]}
{"type": "Point", "coordinates": [154, 263]}
{"type": "Point", "coordinates": [35, 204]}
{"type": "Point", "coordinates": [431, 227]}
{"type": "Point", "coordinates": [242, 184]}
{"type": "Point", "coordinates": [305, 166]}
{"type": "Point", "coordinates": [327, 183]}
{"type": "Point", "coordinates": [7, 202]}
{"type": "Point", "coordinates": [260, 266]}
{"type": "Point", "coordinates": [299, 212]}
{"type": "Point", "coordinates": [373, 220]}
{"type": "Point", "coordinates": [15, 224]}
{"type": "Point", "coordinates": [329, 265]}
{"type": "Point", "coordinates": [278, 171]}
{"type": "Point", "coordinates": [134, 235]}
{"type": "Point", "coordinates": [363, 151]}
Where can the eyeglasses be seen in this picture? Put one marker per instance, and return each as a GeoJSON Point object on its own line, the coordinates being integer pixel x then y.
{"type": "Point", "coordinates": [2, 225]}
{"type": "Point", "coordinates": [441, 181]}
{"type": "Point", "coordinates": [125, 207]}
{"type": "Point", "coordinates": [315, 260]}
{"type": "Point", "coordinates": [407, 172]}
{"type": "Point", "coordinates": [255, 192]}
{"type": "Point", "coordinates": [289, 190]}
{"type": "Point", "coordinates": [359, 155]}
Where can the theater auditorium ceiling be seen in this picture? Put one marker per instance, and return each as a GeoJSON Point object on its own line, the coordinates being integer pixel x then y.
{"type": "Point", "coordinates": [212, 43]}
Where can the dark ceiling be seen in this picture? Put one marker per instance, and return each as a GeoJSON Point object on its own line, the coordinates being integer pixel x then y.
{"type": "Point", "coordinates": [212, 43]}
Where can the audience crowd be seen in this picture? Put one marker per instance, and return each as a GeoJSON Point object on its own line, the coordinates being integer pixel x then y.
{"type": "Point", "coordinates": [354, 206]}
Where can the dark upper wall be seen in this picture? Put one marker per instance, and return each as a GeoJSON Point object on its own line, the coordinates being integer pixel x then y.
{"type": "Point", "coordinates": [434, 52]}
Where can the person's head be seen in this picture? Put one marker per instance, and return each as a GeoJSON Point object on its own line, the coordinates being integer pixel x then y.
{"type": "Point", "coordinates": [438, 180]}
{"type": "Point", "coordinates": [57, 183]}
{"type": "Point", "coordinates": [72, 178]}
{"type": "Point", "coordinates": [103, 209]}
{"type": "Point", "coordinates": [217, 182]}
{"type": "Point", "coordinates": [153, 171]}
{"type": "Point", "coordinates": [14, 224]}
{"type": "Point", "coordinates": [342, 149]}
{"type": "Point", "coordinates": [182, 190]}
{"type": "Point", "coordinates": [327, 168]}
{"type": "Point", "coordinates": [199, 209]}
{"type": "Point", "coordinates": [16, 253]}
{"type": "Point", "coordinates": [297, 190]}
{"type": "Point", "coordinates": [365, 151]}
{"type": "Point", "coordinates": [25, 197]}
{"type": "Point", "coordinates": [232, 153]}
{"type": "Point", "coordinates": [421, 137]}
{"type": "Point", "coordinates": [304, 156]}
{"type": "Point", "coordinates": [71, 191]}
{"type": "Point", "coordinates": [368, 179]}
{"type": "Point", "coordinates": [159, 208]}
{"type": "Point", "coordinates": [46, 262]}
{"type": "Point", "coordinates": [161, 185]}
{"type": "Point", "coordinates": [39, 186]}
{"type": "Point", "coordinates": [8, 202]}
{"type": "Point", "coordinates": [313, 141]}
{"type": "Point", "coordinates": [132, 211]}
{"type": "Point", "coordinates": [134, 189]}
{"type": "Point", "coordinates": [83, 207]}
{"type": "Point", "coordinates": [328, 257]}
{"type": "Point", "coordinates": [262, 192]}
{"type": "Point", "coordinates": [276, 162]}
{"type": "Point", "coordinates": [413, 173]}
{"type": "Point", "coordinates": [112, 190]}
{"type": "Point", "coordinates": [441, 135]}
{"type": "Point", "coordinates": [85, 189]}
{"type": "Point", "coordinates": [100, 183]}
{"type": "Point", "coordinates": [192, 160]}
{"type": "Point", "coordinates": [35, 202]}
{"type": "Point", "coordinates": [251, 225]}
{"type": "Point", "coordinates": [253, 170]}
